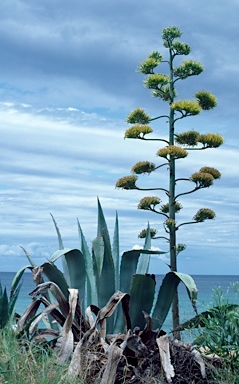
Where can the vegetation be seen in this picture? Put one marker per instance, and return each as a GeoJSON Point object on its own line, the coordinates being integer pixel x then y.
{"type": "Point", "coordinates": [22, 361]}
{"type": "Point", "coordinates": [216, 330]}
{"type": "Point", "coordinates": [178, 145]}
{"type": "Point", "coordinates": [100, 320]}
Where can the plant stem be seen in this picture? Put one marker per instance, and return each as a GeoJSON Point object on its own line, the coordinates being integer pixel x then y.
{"type": "Point", "coordinates": [173, 255]}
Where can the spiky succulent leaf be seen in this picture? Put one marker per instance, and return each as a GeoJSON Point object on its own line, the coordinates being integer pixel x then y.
{"type": "Point", "coordinates": [137, 132]}
{"type": "Point", "coordinates": [105, 281]}
{"type": "Point", "coordinates": [138, 116]}
{"type": "Point", "coordinates": [127, 182]}
{"type": "Point", "coordinates": [186, 107]}
{"type": "Point", "coordinates": [60, 241]}
{"type": "Point", "coordinates": [61, 246]}
{"type": "Point", "coordinates": [17, 278]}
{"type": "Point", "coordinates": [4, 309]}
{"type": "Point", "coordinates": [212, 171]}
{"type": "Point", "coordinates": [149, 202]}
{"type": "Point", "coordinates": [56, 276]}
{"type": "Point", "coordinates": [189, 138]}
{"type": "Point", "coordinates": [144, 259]}
{"type": "Point", "coordinates": [98, 251]}
{"type": "Point", "coordinates": [128, 266]}
{"type": "Point", "coordinates": [202, 180]}
{"type": "Point", "coordinates": [166, 294]}
{"type": "Point", "coordinates": [142, 291]}
{"type": "Point", "coordinates": [206, 100]}
{"type": "Point", "coordinates": [91, 283]}
{"type": "Point", "coordinates": [188, 68]}
{"type": "Point", "coordinates": [116, 252]}
{"type": "Point", "coordinates": [172, 150]}
{"type": "Point", "coordinates": [204, 214]}
{"type": "Point", "coordinates": [143, 167]}
{"type": "Point", "coordinates": [211, 140]}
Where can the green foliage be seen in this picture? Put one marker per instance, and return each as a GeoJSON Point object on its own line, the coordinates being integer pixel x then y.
{"type": "Point", "coordinates": [127, 182]}
{"type": "Point", "coordinates": [218, 328]}
{"type": "Point", "coordinates": [204, 214]}
{"type": "Point", "coordinates": [137, 132]}
{"type": "Point", "coordinates": [143, 167]}
{"type": "Point", "coordinates": [98, 276]}
{"type": "Point", "coordinates": [138, 116]}
{"type": "Point", "coordinates": [7, 303]}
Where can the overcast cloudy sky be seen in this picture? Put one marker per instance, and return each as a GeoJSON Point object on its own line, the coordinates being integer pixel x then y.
{"type": "Point", "coordinates": [67, 83]}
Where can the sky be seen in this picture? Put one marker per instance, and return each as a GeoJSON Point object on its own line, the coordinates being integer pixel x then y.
{"type": "Point", "coordinates": [68, 81]}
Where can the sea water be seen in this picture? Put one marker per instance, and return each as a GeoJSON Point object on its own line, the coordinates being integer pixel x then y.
{"type": "Point", "coordinates": [205, 284]}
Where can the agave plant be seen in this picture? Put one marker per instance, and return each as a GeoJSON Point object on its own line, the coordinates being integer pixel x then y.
{"type": "Point", "coordinates": [98, 274]}
{"type": "Point", "coordinates": [7, 304]}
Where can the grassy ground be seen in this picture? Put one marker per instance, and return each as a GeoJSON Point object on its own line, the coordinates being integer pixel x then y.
{"type": "Point", "coordinates": [25, 363]}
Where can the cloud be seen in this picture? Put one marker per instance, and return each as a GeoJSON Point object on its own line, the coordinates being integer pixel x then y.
{"type": "Point", "coordinates": [67, 82]}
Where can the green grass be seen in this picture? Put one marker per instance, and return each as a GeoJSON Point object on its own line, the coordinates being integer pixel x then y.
{"type": "Point", "coordinates": [22, 362]}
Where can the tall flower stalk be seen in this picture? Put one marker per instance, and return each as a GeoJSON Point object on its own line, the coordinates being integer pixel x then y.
{"type": "Point", "coordinates": [177, 145]}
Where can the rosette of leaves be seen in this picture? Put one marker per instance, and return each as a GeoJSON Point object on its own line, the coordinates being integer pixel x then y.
{"type": "Point", "coordinates": [202, 179]}
{"type": "Point", "coordinates": [172, 150]}
{"type": "Point", "coordinates": [189, 138]}
{"type": "Point", "coordinates": [143, 167]}
{"type": "Point", "coordinates": [211, 140]}
{"type": "Point", "coordinates": [137, 132]}
{"type": "Point", "coordinates": [204, 214]}
{"type": "Point", "coordinates": [98, 275]}
{"type": "Point", "coordinates": [206, 100]}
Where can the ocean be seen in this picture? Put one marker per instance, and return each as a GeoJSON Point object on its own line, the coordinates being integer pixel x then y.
{"type": "Point", "coordinates": [205, 284]}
